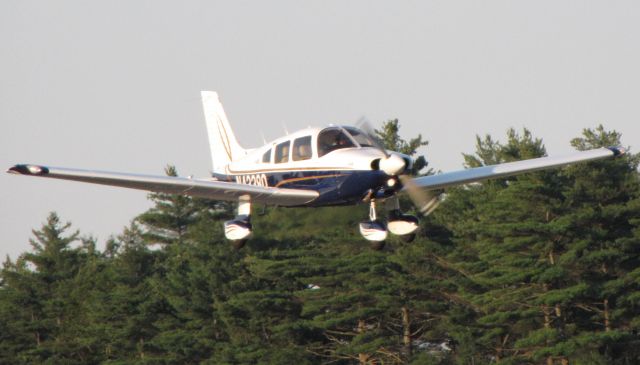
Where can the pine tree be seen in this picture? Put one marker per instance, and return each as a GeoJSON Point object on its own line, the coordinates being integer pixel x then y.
{"type": "Point", "coordinates": [17, 304]}
{"type": "Point", "coordinates": [169, 220]}
{"type": "Point", "coordinates": [548, 254]}
{"type": "Point", "coordinates": [349, 296]}
{"type": "Point", "coordinates": [41, 288]}
{"type": "Point", "coordinates": [599, 228]}
{"type": "Point", "coordinates": [426, 295]}
{"type": "Point", "coordinates": [503, 236]}
{"type": "Point", "coordinates": [195, 280]}
{"type": "Point", "coordinates": [390, 139]}
{"type": "Point", "coordinates": [123, 307]}
{"type": "Point", "coordinates": [539, 268]}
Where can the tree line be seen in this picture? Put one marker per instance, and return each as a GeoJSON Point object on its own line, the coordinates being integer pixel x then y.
{"type": "Point", "coordinates": [542, 268]}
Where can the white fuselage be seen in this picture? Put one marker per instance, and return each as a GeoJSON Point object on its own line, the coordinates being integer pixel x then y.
{"type": "Point", "coordinates": [313, 159]}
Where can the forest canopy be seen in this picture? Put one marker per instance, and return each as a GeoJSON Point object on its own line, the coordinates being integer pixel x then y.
{"type": "Point", "coordinates": [542, 268]}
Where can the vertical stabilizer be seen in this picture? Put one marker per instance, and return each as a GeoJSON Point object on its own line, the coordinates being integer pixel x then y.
{"type": "Point", "coordinates": [224, 146]}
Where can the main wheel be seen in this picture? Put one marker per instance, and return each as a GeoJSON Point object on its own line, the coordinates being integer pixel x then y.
{"type": "Point", "coordinates": [238, 244]}
{"type": "Point", "coordinates": [377, 245]}
{"type": "Point", "coordinates": [402, 224]}
{"type": "Point", "coordinates": [408, 237]}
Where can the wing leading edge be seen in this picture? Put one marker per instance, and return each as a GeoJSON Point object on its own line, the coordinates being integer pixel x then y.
{"type": "Point", "coordinates": [460, 177]}
{"type": "Point", "coordinates": [174, 185]}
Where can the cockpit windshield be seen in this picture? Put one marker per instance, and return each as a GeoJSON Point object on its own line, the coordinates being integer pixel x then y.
{"type": "Point", "coordinates": [332, 139]}
{"type": "Point", "coordinates": [362, 139]}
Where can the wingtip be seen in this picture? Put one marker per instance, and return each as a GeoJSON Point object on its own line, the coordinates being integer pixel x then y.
{"type": "Point", "coordinates": [16, 169]}
{"type": "Point", "coordinates": [617, 150]}
{"type": "Point", "coordinates": [208, 94]}
{"type": "Point", "coordinates": [23, 169]}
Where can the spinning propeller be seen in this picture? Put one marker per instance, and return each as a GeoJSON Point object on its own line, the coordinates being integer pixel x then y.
{"type": "Point", "coordinates": [396, 166]}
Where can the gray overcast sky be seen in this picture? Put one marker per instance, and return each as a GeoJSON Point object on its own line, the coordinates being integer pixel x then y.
{"type": "Point", "coordinates": [114, 85]}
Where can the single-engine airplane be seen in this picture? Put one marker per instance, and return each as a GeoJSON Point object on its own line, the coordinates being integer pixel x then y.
{"type": "Point", "coordinates": [335, 165]}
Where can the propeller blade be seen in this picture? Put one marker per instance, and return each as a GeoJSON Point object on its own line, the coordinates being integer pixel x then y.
{"type": "Point", "coordinates": [425, 202]}
{"type": "Point", "coordinates": [365, 126]}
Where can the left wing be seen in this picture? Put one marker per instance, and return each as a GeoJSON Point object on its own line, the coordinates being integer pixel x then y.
{"type": "Point", "coordinates": [218, 190]}
{"type": "Point", "coordinates": [460, 177]}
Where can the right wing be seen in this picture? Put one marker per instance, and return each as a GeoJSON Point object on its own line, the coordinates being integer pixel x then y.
{"type": "Point", "coordinates": [218, 190]}
{"type": "Point", "coordinates": [460, 177]}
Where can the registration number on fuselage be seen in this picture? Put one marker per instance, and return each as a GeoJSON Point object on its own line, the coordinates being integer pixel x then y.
{"type": "Point", "coordinates": [253, 179]}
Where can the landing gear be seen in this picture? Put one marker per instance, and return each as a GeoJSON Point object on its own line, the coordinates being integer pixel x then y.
{"type": "Point", "coordinates": [238, 230]}
{"type": "Point", "coordinates": [408, 238]}
{"type": "Point", "coordinates": [238, 244]}
{"type": "Point", "coordinates": [377, 245]}
{"type": "Point", "coordinates": [374, 230]}
{"type": "Point", "coordinates": [402, 225]}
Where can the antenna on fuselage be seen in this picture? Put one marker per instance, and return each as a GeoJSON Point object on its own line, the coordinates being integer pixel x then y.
{"type": "Point", "coordinates": [264, 140]}
{"type": "Point", "coordinates": [285, 128]}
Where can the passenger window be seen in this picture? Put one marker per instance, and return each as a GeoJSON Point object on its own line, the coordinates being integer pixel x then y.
{"type": "Point", "coordinates": [266, 158]}
{"type": "Point", "coordinates": [332, 139]}
{"type": "Point", "coordinates": [282, 152]}
{"type": "Point", "coordinates": [302, 148]}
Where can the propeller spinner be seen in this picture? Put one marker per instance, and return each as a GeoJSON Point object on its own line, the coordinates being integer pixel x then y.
{"type": "Point", "coordinates": [396, 166]}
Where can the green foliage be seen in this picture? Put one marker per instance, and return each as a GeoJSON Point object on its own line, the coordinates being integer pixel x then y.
{"type": "Point", "coordinates": [390, 139]}
{"type": "Point", "coordinates": [531, 269]}
{"type": "Point", "coordinates": [549, 253]}
{"type": "Point", "coordinates": [172, 217]}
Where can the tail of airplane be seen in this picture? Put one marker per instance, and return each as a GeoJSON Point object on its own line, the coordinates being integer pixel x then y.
{"type": "Point", "coordinates": [224, 146]}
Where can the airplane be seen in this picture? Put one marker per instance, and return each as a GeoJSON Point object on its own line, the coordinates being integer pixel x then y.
{"type": "Point", "coordinates": [313, 167]}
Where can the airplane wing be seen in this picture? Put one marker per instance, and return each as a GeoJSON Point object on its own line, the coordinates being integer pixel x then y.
{"type": "Point", "coordinates": [174, 185]}
{"type": "Point", "coordinates": [448, 179]}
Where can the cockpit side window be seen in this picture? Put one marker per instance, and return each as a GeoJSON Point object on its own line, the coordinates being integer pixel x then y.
{"type": "Point", "coordinates": [332, 139]}
{"type": "Point", "coordinates": [302, 148]}
{"type": "Point", "coordinates": [266, 158]}
{"type": "Point", "coordinates": [282, 152]}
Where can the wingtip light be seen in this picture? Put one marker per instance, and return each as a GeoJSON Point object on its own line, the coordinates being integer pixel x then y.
{"type": "Point", "coordinates": [27, 170]}
{"type": "Point", "coordinates": [617, 150]}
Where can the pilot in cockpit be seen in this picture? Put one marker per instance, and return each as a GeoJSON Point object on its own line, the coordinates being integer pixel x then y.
{"type": "Point", "coordinates": [341, 141]}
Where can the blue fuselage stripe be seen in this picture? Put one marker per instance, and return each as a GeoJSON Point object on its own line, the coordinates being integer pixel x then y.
{"type": "Point", "coordinates": [336, 187]}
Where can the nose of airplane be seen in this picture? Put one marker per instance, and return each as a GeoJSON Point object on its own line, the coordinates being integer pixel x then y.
{"type": "Point", "coordinates": [393, 165]}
